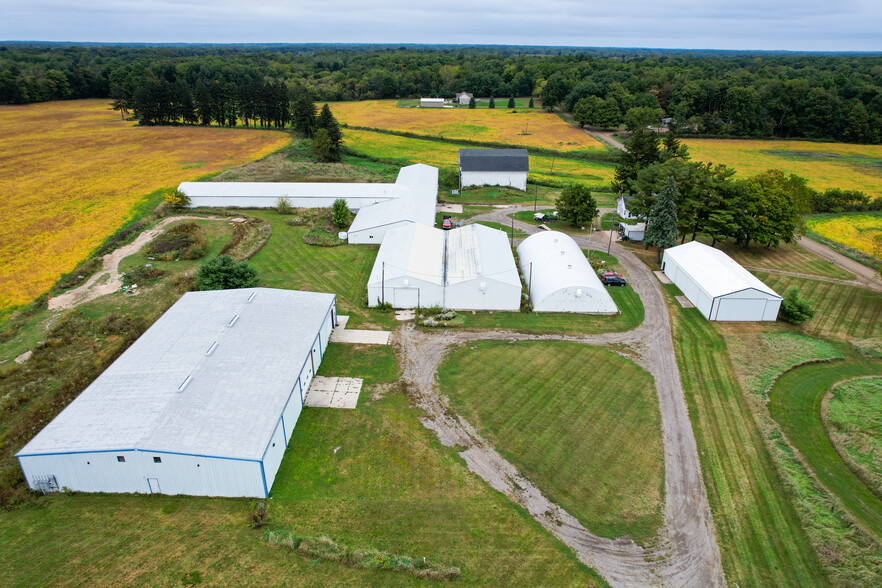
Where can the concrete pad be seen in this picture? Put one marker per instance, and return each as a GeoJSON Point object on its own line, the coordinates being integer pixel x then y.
{"type": "Point", "coordinates": [342, 319]}
{"type": "Point", "coordinates": [341, 334]}
{"type": "Point", "coordinates": [333, 392]}
{"type": "Point", "coordinates": [405, 315]}
{"type": "Point", "coordinates": [684, 302]}
{"type": "Point", "coordinates": [451, 208]}
{"type": "Point", "coordinates": [663, 277]}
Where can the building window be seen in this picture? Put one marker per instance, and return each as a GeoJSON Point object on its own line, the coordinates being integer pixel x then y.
{"type": "Point", "coordinates": [157, 459]}
{"type": "Point", "coordinates": [121, 458]}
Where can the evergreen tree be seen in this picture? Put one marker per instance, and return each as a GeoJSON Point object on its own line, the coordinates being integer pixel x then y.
{"type": "Point", "coordinates": [222, 273]}
{"type": "Point", "coordinates": [661, 227]}
{"type": "Point", "coordinates": [472, 102]}
{"type": "Point", "coordinates": [492, 103]}
{"type": "Point", "coordinates": [327, 121]}
{"type": "Point", "coordinates": [795, 310]}
{"type": "Point", "coordinates": [531, 102]}
{"type": "Point", "coordinates": [340, 213]}
{"type": "Point", "coordinates": [642, 151]}
{"type": "Point", "coordinates": [322, 148]}
{"type": "Point", "coordinates": [303, 115]}
{"type": "Point", "coordinates": [511, 102]}
{"type": "Point", "coordinates": [576, 204]}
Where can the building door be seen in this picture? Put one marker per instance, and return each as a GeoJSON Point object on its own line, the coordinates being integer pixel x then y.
{"type": "Point", "coordinates": [153, 484]}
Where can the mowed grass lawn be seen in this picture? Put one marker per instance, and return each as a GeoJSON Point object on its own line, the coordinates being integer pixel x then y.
{"type": "Point", "coordinates": [852, 416]}
{"type": "Point", "coordinates": [580, 422]}
{"type": "Point", "coordinates": [405, 150]}
{"type": "Point", "coordinates": [498, 125]}
{"type": "Point", "coordinates": [71, 173]}
{"type": "Point", "coordinates": [843, 312]}
{"type": "Point", "coordinates": [790, 257]}
{"type": "Point", "coordinates": [372, 477]}
{"type": "Point", "coordinates": [824, 165]}
{"type": "Point", "coordinates": [761, 539]}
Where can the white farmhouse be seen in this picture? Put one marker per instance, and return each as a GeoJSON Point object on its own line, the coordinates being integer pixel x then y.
{"type": "Point", "coordinates": [203, 403]}
{"type": "Point", "coordinates": [464, 98]}
{"type": "Point", "coordinates": [494, 167]}
{"type": "Point", "coordinates": [559, 277]}
{"type": "Point", "coordinates": [718, 286]}
{"type": "Point", "coordinates": [470, 268]}
{"type": "Point", "coordinates": [622, 207]}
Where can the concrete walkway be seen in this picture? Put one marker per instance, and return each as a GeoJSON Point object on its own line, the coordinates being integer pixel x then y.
{"type": "Point", "coordinates": [341, 334]}
{"type": "Point", "coordinates": [333, 392]}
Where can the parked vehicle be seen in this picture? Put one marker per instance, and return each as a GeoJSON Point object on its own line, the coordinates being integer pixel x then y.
{"type": "Point", "coordinates": [613, 279]}
{"type": "Point", "coordinates": [446, 224]}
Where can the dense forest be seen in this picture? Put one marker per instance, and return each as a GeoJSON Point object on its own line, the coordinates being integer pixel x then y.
{"type": "Point", "coordinates": [738, 94]}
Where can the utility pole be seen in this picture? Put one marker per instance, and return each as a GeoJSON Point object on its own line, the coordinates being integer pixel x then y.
{"type": "Point", "coordinates": [608, 247]}
{"type": "Point", "coordinates": [383, 283]}
{"type": "Point", "coordinates": [535, 198]}
{"type": "Point", "coordinates": [511, 238]}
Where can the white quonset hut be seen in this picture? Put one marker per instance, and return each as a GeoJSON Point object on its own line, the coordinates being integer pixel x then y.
{"type": "Point", "coordinates": [719, 288]}
{"type": "Point", "coordinates": [470, 268]}
{"type": "Point", "coordinates": [411, 199]}
{"type": "Point", "coordinates": [431, 102]}
{"type": "Point", "coordinates": [203, 403]}
{"type": "Point", "coordinates": [559, 277]}
{"type": "Point", "coordinates": [494, 167]}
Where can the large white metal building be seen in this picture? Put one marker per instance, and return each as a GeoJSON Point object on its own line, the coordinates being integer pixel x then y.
{"type": "Point", "coordinates": [203, 403]}
{"type": "Point", "coordinates": [411, 199]}
{"type": "Point", "coordinates": [559, 277]}
{"type": "Point", "coordinates": [470, 268]}
{"type": "Point", "coordinates": [494, 167]}
{"type": "Point", "coordinates": [718, 286]}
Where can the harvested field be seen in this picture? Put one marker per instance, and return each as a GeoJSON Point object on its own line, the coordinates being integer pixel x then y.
{"type": "Point", "coordinates": [824, 165]}
{"type": "Point", "coordinates": [499, 125]}
{"type": "Point", "coordinates": [72, 173]}
{"type": "Point", "coordinates": [405, 151]}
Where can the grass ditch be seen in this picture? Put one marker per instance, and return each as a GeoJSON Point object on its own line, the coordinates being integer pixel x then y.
{"type": "Point", "coordinates": [367, 559]}
{"type": "Point", "coordinates": [852, 416]}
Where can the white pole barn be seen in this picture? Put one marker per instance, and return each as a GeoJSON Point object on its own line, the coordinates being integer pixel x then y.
{"type": "Point", "coordinates": [203, 403]}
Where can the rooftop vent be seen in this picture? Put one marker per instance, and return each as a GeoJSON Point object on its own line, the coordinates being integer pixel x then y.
{"type": "Point", "coordinates": [233, 321]}
{"type": "Point", "coordinates": [185, 383]}
{"type": "Point", "coordinates": [250, 298]}
{"type": "Point", "coordinates": [211, 349]}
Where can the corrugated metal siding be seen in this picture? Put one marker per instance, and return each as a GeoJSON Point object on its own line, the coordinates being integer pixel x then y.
{"type": "Point", "coordinates": [275, 451]}
{"type": "Point", "coordinates": [513, 179]}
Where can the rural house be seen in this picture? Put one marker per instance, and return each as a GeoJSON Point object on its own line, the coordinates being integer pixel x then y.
{"type": "Point", "coordinates": [464, 98]}
{"type": "Point", "coordinates": [494, 167]}
{"type": "Point", "coordinates": [622, 207]}
{"type": "Point", "coordinates": [718, 286]}
{"type": "Point", "coordinates": [203, 403]}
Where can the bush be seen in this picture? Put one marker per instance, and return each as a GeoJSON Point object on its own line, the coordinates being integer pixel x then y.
{"type": "Point", "coordinates": [141, 274]}
{"type": "Point", "coordinates": [177, 199]}
{"type": "Point", "coordinates": [340, 213]}
{"type": "Point", "coordinates": [222, 273]}
{"type": "Point", "coordinates": [184, 241]}
{"type": "Point", "coordinates": [795, 310]}
{"type": "Point", "coordinates": [322, 236]}
{"type": "Point", "coordinates": [283, 205]}
{"type": "Point", "coordinates": [259, 514]}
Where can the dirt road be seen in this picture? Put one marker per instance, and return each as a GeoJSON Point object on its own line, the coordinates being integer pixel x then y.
{"type": "Point", "coordinates": [686, 553]}
{"type": "Point", "coordinates": [867, 276]}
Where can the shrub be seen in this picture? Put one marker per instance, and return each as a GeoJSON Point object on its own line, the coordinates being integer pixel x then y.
{"type": "Point", "coordinates": [222, 273]}
{"type": "Point", "coordinates": [322, 236]}
{"type": "Point", "coordinates": [177, 199]}
{"type": "Point", "coordinates": [141, 274]}
{"type": "Point", "coordinates": [184, 241]}
{"type": "Point", "coordinates": [795, 310]}
{"type": "Point", "coordinates": [340, 213]}
{"type": "Point", "coordinates": [259, 514]}
{"type": "Point", "coordinates": [283, 205]}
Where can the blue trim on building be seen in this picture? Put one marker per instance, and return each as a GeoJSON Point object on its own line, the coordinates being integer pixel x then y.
{"type": "Point", "coordinates": [136, 450]}
{"type": "Point", "coordinates": [263, 477]}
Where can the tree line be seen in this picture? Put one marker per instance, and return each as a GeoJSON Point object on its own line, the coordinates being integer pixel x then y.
{"type": "Point", "coordinates": [741, 94]}
{"type": "Point", "coordinates": [765, 209]}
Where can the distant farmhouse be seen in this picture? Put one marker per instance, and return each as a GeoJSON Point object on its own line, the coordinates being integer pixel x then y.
{"type": "Point", "coordinates": [431, 102]}
{"type": "Point", "coordinates": [622, 207]}
{"type": "Point", "coordinates": [411, 199]}
{"type": "Point", "coordinates": [203, 403]}
{"type": "Point", "coordinates": [494, 167]}
{"type": "Point", "coordinates": [464, 97]}
{"type": "Point", "coordinates": [718, 286]}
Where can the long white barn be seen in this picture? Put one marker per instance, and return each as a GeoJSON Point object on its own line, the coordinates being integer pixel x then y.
{"type": "Point", "coordinates": [559, 277]}
{"type": "Point", "coordinates": [718, 286]}
{"type": "Point", "coordinates": [470, 268]}
{"type": "Point", "coordinates": [411, 199]}
{"type": "Point", "coordinates": [203, 403]}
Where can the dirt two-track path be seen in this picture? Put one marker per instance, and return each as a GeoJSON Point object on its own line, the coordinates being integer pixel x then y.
{"type": "Point", "coordinates": [686, 552]}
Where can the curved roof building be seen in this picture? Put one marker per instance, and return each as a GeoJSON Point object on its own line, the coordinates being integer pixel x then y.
{"type": "Point", "coordinates": [559, 276]}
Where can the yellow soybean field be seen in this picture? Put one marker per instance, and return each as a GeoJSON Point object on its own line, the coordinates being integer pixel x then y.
{"type": "Point", "coordinates": [405, 150]}
{"type": "Point", "coordinates": [858, 231]}
{"type": "Point", "coordinates": [499, 125]}
{"type": "Point", "coordinates": [824, 165]}
{"type": "Point", "coordinates": [71, 173]}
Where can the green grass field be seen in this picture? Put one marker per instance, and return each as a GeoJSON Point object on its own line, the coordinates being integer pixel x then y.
{"type": "Point", "coordinates": [795, 403]}
{"type": "Point", "coordinates": [590, 440]}
{"type": "Point", "coordinates": [516, 233]}
{"type": "Point", "coordinates": [843, 312]}
{"type": "Point", "coordinates": [761, 539]}
{"type": "Point", "coordinates": [789, 257]}
{"type": "Point", "coordinates": [853, 420]}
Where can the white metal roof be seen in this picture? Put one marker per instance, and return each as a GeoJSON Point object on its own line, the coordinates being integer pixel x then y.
{"type": "Point", "coordinates": [557, 264]}
{"type": "Point", "coordinates": [475, 251]}
{"type": "Point", "coordinates": [292, 190]}
{"type": "Point", "coordinates": [235, 395]}
{"type": "Point", "coordinates": [714, 271]}
{"type": "Point", "coordinates": [419, 184]}
{"type": "Point", "coordinates": [412, 250]}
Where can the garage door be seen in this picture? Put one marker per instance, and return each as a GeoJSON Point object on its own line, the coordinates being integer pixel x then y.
{"type": "Point", "coordinates": [740, 309]}
{"type": "Point", "coordinates": [405, 297]}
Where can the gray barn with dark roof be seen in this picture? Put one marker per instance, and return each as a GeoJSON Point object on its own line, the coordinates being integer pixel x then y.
{"type": "Point", "coordinates": [494, 167]}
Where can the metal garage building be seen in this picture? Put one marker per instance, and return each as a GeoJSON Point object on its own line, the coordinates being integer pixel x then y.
{"type": "Point", "coordinates": [203, 403]}
{"type": "Point", "coordinates": [559, 277]}
{"type": "Point", "coordinates": [494, 167]}
{"type": "Point", "coordinates": [470, 268]}
{"type": "Point", "coordinates": [718, 286]}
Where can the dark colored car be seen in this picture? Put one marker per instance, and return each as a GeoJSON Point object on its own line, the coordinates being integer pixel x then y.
{"type": "Point", "coordinates": [612, 279]}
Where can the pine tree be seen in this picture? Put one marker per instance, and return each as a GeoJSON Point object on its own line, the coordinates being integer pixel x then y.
{"type": "Point", "coordinates": [492, 103]}
{"type": "Point", "coordinates": [472, 102]}
{"type": "Point", "coordinates": [511, 102]}
{"type": "Point", "coordinates": [531, 102]}
{"type": "Point", "coordinates": [661, 227]}
{"type": "Point", "coordinates": [327, 121]}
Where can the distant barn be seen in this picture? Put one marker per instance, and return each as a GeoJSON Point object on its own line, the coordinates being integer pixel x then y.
{"type": "Point", "coordinates": [718, 286]}
{"type": "Point", "coordinates": [431, 102]}
{"type": "Point", "coordinates": [494, 167]}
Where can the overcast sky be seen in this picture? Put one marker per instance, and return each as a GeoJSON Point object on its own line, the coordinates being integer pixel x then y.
{"type": "Point", "coordinates": [799, 25]}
